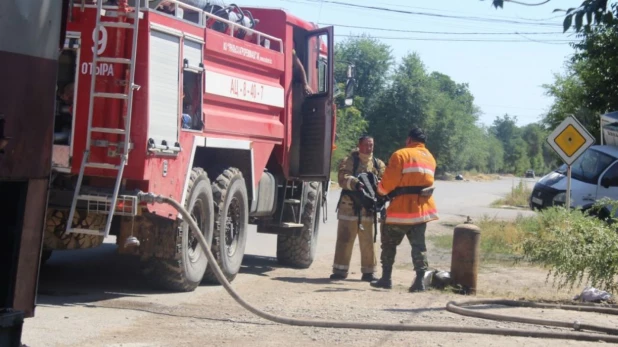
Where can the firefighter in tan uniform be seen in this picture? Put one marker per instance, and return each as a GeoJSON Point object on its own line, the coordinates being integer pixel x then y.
{"type": "Point", "coordinates": [353, 219]}
{"type": "Point", "coordinates": [408, 181]}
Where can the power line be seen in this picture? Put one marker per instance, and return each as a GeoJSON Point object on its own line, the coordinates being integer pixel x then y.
{"type": "Point", "coordinates": [455, 40]}
{"type": "Point", "coordinates": [472, 18]}
{"type": "Point", "coordinates": [444, 32]}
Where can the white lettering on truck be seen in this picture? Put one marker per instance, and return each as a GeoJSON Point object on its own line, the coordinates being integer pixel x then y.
{"type": "Point", "coordinates": [101, 43]}
{"type": "Point", "coordinates": [103, 69]}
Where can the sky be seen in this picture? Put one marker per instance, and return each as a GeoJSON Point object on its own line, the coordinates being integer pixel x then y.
{"type": "Point", "coordinates": [526, 45]}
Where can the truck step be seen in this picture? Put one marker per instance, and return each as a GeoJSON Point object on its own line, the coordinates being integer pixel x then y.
{"type": "Point", "coordinates": [95, 198]}
{"type": "Point", "coordinates": [109, 131]}
{"type": "Point", "coordinates": [292, 225]}
{"type": "Point", "coordinates": [110, 95]}
{"type": "Point", "coordinates": [103, 166]}
{"type": "Point", "coordinates": [116, 25]}
{"type": "Point", "coordinates": [292, 201]}
{"type": "Point", "coordinates": [96, 232]}
{"type": "Point", "coordinates": [114, 60]}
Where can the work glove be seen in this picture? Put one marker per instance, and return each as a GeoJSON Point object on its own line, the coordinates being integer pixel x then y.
{"type": "Point", "coordinates": [359, 186]}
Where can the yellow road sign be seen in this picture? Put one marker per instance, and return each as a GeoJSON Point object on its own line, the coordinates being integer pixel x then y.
{"type": "Point", "coordinates": [570, 139]}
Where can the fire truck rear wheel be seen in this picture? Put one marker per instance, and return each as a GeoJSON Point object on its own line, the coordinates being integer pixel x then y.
{"type": "Point", "coordinates": [55, 236]}
{"type": "Point", "coordinates": [45, 255]}
{"type": "Point", "coordinates": [186, 273]}
{"type": "Point", "coordinates": [298, 249]}
{"type": "Point", "coordinates": [230, 232]}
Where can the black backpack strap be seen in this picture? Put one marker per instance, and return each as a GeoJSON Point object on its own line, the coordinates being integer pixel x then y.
{"type": "Point", "coordinates": [376, 165]}
{"type": "Point", "coordinates": [356, 163]}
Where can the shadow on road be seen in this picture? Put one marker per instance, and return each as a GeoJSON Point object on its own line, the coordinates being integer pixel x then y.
{"type": "Point", "coordinates": [99, 274]}
{"type": "Point", "coordinates": [257, 265]}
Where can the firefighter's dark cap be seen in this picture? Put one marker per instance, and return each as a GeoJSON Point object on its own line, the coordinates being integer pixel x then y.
{"type": "Point", "coordinates": [417, 134]}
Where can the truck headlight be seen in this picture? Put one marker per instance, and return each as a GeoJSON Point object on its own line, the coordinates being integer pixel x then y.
{"type": "Point", "coordinates": [560, 198]}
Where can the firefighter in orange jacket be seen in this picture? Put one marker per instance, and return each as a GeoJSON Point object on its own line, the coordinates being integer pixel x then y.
{"type": "Point", "coordinates": [408, 181]}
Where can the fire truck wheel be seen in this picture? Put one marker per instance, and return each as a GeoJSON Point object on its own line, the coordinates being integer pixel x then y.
{"type": "Point", "coordinates": [230, 233]}
{"type": "Point", "coordinates": [298, 249]}
{"type": "Point", "coordinates": [47, 253]}
{"type": "Point", "coordinates": [186, 273]}
{"type": "Point", "coordinates": [55, 236]}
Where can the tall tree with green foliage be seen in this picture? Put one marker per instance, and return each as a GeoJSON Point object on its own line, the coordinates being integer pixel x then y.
{"type": "Point", "coordinates": [404, 103]}
{"type": "Point", "coordinates": [372, 62]}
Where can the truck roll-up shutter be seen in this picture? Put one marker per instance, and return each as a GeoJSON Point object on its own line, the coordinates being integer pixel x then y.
{"type": "Point", "coordinates": [192, 54]}
{"type": "Point", "coordinates": [164, 89]}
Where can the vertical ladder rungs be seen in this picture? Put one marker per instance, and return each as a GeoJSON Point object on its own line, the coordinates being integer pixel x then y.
{"type": "Point", "coordinates": [109, 131]}
{"type": "Point", "coordinates": [114, 60]}
{"type": "Point", "coordinates": [110, 95]}
{"type": "Point", "coordinates": [116, 25]}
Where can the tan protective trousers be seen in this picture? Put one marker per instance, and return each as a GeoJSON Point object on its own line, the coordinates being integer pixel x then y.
{"type": "Point", "coordinates": [346, 235]}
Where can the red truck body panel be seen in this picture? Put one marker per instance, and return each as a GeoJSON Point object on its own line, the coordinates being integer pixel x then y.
{"type": "Point", "coordinates": [246, 96]}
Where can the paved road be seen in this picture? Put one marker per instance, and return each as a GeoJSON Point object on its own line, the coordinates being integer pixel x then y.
{"type": "Point", "coordinates": [74, 278]}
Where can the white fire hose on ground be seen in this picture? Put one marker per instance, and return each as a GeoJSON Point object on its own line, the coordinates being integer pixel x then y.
{"type": "Point", "coordinates": [454, 307]}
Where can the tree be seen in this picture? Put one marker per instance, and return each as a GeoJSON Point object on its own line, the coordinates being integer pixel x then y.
{"type": "Point", "coordinates": [404, 103]}
{"type": "Point", "coordinates": [595, 12]}
{"type": "Point", "coordinates": [372, 60]}
{"type": "Point", "coordinates": [570, 99]}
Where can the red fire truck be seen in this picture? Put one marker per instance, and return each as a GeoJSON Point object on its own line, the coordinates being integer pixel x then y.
{"type": "Point", "coordinates": [199, 104]}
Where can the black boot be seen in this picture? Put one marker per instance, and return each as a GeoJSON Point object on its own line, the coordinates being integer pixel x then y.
{"type": "Point", "coordinates": [384, 282]}
{"type": "Point", "coordinates": [338, 276]}
{"type": "Point", "coordinates": [418, 285]}
{"type": "Point", "coordinates": [369, 277]}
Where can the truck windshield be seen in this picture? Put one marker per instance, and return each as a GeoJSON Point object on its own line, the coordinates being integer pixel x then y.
{"type": "Point", "coordinates": [589, 166]}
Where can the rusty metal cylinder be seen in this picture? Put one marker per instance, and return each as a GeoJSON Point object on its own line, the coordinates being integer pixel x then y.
{"type": "Point", "coordinates": [465, 257]}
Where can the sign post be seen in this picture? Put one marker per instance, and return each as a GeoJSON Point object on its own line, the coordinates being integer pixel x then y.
{"type": "Point", "coordinates": [570, 139]}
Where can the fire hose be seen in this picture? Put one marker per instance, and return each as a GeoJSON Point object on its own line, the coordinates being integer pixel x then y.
{"type": "Point", "coordinates": [454, 307]}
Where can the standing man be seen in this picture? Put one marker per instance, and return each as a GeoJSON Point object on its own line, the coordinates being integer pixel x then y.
{"type": "Point", "coordinates": [353, 218]}
{"type": "Point", "coordinates": [408, 181]}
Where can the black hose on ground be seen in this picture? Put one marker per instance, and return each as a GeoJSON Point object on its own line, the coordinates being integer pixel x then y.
{"type": "Point", "coordinates": [451, 306]}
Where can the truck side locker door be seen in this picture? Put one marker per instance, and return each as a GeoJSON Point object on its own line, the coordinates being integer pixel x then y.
{"type": "Point", "coordinates": [317, 112]}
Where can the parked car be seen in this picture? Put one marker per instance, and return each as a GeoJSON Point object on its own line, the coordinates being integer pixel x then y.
{"type": "Point", "coordinates": [529, 174]}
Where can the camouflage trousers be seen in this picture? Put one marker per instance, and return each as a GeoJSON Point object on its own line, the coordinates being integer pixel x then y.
{"type": "Point", "coordinates": [391, 236]}
{"type": "Point", "coordinates": [346, 236]}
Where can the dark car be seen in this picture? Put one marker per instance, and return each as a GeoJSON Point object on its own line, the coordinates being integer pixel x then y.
{"type": "Point", "coordinates": [529, 174]}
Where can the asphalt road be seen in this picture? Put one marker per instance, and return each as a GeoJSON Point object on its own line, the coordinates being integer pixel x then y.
{"type": "Point", "coordinates": [72, 279]}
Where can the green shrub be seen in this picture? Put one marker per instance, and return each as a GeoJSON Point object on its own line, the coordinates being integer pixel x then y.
{"type": "Point", "coordinates": [574, 246]}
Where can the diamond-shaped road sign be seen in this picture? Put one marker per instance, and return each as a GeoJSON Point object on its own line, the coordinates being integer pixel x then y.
{"type": "Point", "coordinates": [570, 139]}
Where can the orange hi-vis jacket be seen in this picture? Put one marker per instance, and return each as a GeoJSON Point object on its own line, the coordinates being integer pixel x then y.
{"type": "Point", "coordinates": [412, 166]}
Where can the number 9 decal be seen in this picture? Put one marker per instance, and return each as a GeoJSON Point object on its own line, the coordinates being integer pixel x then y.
{"type": "Point", "coordinates": [101, 44]}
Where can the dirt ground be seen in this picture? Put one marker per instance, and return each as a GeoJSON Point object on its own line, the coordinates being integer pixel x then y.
{"type": "Point", "coordinates": [98, 300]}
{"type": "Point", "coordinates": [212, 318]}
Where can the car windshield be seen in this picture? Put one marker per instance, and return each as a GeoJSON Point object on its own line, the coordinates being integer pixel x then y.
{"type": "Point", "coordinates": [589, 166]}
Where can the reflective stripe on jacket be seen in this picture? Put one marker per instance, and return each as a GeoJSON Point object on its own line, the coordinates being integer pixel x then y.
{"type": "Point", "coordinates": [410, 166]}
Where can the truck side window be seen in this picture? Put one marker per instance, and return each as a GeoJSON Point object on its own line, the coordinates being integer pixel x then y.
{"type": "Point", "coordinates": [322, 72]}
{"type": "Point", "coordinates": [611, 176]}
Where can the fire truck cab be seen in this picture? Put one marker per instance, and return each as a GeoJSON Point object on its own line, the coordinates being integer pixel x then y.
{"type": "Point", "coordinates": [204, 105]}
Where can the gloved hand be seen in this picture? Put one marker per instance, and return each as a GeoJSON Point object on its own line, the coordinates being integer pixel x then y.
{"type": "Point", "coordinates": [359, 186]}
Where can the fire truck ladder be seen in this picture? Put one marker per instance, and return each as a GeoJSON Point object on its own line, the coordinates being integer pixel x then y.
{"type": "Point", "coordinates": [103, 203]}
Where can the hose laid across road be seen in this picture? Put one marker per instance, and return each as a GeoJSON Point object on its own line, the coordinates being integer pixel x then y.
{"type": "Point", "coordinates": [454, 307]}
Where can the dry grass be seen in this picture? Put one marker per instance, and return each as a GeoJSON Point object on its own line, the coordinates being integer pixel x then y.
{"type": "Point", "coordinates": [518, 197]}
{"type": "Point", "coordinates": [500, 240]}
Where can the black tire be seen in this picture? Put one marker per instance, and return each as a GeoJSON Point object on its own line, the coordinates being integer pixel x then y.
{"type": "Point", "coordinates": [186, 273]}
{"type": "Point", "coordinates": [45, 255]}
{"type": "Point", "coordinates": [232, 221]}
{"type": "Point", "coordinates": [298, 249]}
{"type": "Point", "coordinates": [55, 236]}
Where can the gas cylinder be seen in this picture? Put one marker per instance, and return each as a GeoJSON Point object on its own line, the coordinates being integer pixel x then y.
{"type": "Point", "coordinates": [465, 257]}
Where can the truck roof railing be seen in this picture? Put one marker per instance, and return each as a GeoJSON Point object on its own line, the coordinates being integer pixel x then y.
{"type": "Point", "coordinates": [203, 16]}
